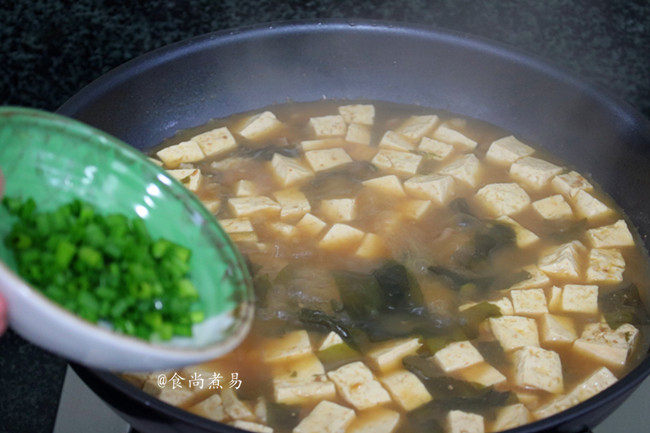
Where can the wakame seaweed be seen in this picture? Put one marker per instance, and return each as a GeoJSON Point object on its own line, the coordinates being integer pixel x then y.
{"type": "Point", "coordinates": [624, 306]}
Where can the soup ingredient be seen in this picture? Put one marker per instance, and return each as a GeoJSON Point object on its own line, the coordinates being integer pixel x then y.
{"type": "Point", "coordinates": [105, 268]}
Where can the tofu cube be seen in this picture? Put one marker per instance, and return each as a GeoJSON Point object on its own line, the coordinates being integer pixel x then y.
{"type": "Point", "coordinates": [416, 127]}
{"type": "Point", "coordinates": [244, 237]}
{"type": "Point", "coordinates": [534, 173]}
{"type": "Point", "coordinates": [363, 114]}
{"type": "Point", "coordinates": [253, 206]}
{"type": "Point", "coordinates": [483, 374]}
{"type": "Point", "coordinates": [600, 343]}
{"type": "Point", "coordinates": [507, 150]}
{"type": "Point", "coordinates": [529, 302]}
{"type": "Point", "coordinates": [294, 204]}
{"type": "Point", "coordinates": [310, 225]}
{"type": "Point", "coordinates": [538, 368]}
{"type": "Point", "coordinates": [388, 356]}
{"type": "Point", "coordinates": [378, 420]}
{"type": "Point", "coordinates": [210, 408]}
{"type": "Point", "coordinates": [514, 332]}
{"type": "Point", "coordinates": [303, 391]}
{"type": "Point", "coordinates": [563, 261]}
{"type": "Point", "coordinates": [195, 180]}
{"type": "Point", "coordinates": [616, 235]}
{"type": "Point", "coordinates": [304, 368]}
{"type": "Point", "coordinates": [327, 159]}
{"type": "Point", "coordinates": [589, 207]}
{"type": "Point", "coordinates": [578, 298]}
{"type": "Point", "coordinates": [341, 237]}
{"type": "Point", "coordinates": [400, 163]}
{"type": "Point", "coordinates": [282, 230]}
{"type": "Point", "coordinates": [321, 143]}
{"type": "Point", "coordinates": [436, 150]}
{"type": "Point", "coordinates": [173, 396]}
{"type": "Point", "coordinates": [448, 135]}
{"type": "Point", "coordinates": [260, 126]}
{"type": "Point", "coordinates": [356, 384]}
{"type": "Point", "coordinates": [388, 185]}
{"type": "Point", "coordinates": [456, 356]}
{"type": "Point", "coordinates": [181, 174]}
{"type": "Point", "coordinates": [393, 140]}
{"type": "Point", "coordinates": [339, 209]}
{"type": "Point", "coordinates": [372, 247]}
{"type": "Point", "coordinates": [555, 300]}
{"type": "Point", "coordinates": [524, 237]}
{"type": "Point", "coordinates": [217, 142]}
{"type": "Point", "coordinates": [511, 416]}
{"type": "Point", "coordinates": [416, 209]}
{"type": "Point", "coordinates": [331, 339]}
{"type": "Point", "coordinates": [361, 152]}
{"type": "Point", "coordinates": [463, 422]}
{"type": "Point", "coordinates": [245, 188]}
{"type": "Point", "coordinates": [568, 184]}
{"type": "Point", "coordinates": [358, 134]}
{"type": "Point", "coordinates": [406, 389]}
{"type": "Point", "coordinates": [437, 188]}
{"type": "Point", "coordinates": [328, 126]}
{"type": "Point", "coordinates": [234, 407]}
{"type": "Point", "coordinates": [606, 266]}
{"type": "Point", "coordinates": [236, 225]}
{"type": "Point", "coordinates": [553, 208]}
{"type": "Point", "coordinates": [326, 417]}
{"type": "Point", "coordinates": [289, 171]}
{"type": "Point", "coordinates": [536, 279]}
{"type": "Point", "coordinates": [291, 345]}
{"type": "Point", "coordinates": [557, 330]}
{"type": "Point", "coordinates": [503, 198]}
{"type": "Point", "coordinates": [251, 426]}
{"type": "Point", "coordinates": [187, 151]}
{"type": "Point", "coordinates": [465, 169]}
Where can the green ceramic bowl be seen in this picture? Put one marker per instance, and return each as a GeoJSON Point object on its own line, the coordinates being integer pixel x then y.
{"type": "Point", "coordinates": [54, 160]}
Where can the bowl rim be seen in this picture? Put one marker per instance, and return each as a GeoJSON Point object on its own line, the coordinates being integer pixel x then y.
{"type": "Point", "coordinates": [198, 43]}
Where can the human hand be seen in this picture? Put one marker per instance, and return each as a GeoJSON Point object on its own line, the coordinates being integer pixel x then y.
{"type": "Point", "coordinates": [3, 305]}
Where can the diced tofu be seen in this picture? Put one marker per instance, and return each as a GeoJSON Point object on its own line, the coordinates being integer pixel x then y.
{"type": "Point", "coordinates": [289, 171]}
{"type": "Point", "coordinates": [175, 397]}
{"type": "Point", "coordinates": [504, 304]}
{"type": "Point", "coordinates": [339, 209]}
{"type": "Point", "coordinates": [310, 225]}
{"type": "Point", "coordinates": [557, 330]}
{"type": "Point", "coordinates": [507, 150]}
{"type": "Point", "coordinates": [187, 151]}
{"type": "Point", "coordinates": [465, 169]}
{"type": "Point", "coordinates": [555, 300]}
{"type": "Point", "coordinates": [251, 426]}
{"type": "Point", "coordinates": [456, 356]}
{"type": "Point", "coordinates": [361, 152]}
{"type": "Point", "coordinates": [378, 420]}
{"type": "Point", "coordinates": [372, 247]}
{"type": "Point", "coordinates": [463, 422]}
{"type": "Point", "coordinates": [253, 206]}
{"type": "Point", "coordinates": [236, 225]}
{"type": "Point", "coordinates": [327, 417]}
{"type": "Point", "coordinates": [211, 408]}
{"type": "Point", "coordinates": [616, 235]}
{"type": "Point", "coordinates": [483, 374]}
{"type": "Point", "coordinates": [416, 127]}
{"type": "Point", "coordinates": [537, 279]}
{"type": "Point", "coordinates": [553, 208]}
{"type": "Point", "coordinates": [341, 237]}
{"type": "Point", "coordinates": [230, 163]}
{"type": "Point", "coordinates": [332, 339]}
{"type": "Point", "coordinates": [292, 345]}
{"type": "Point", "coordinates": [563, 261]}
{"type": "Point", "coordinates": [539, 369]}
{"type": "Point", "coordinates": [436, 150]}
{"type": "Point", "coordinates": [578, 298]}
{"type": "Point", "coordinates": [281, 229]}
{"type": "Point", "coordinates": [510, 417]}
{"type": "Point", "coordinates": [234, 407]}
{"type": "Point", "coordinates": [217, 142]}
{"type": "Point", "coordinates": [358, 134]}
{"type": "Point", "coordinates": [406, 389]}
{"type": "Point", "coordinates": [195, 180]}
{"type": "Point", "coordinates": [363, 114]}
{"type": "Point", "coordinates": [434, 187]}
{"type": "Point", "coordinates": [294, 204]}
{"type": "Point", "coordinates": [181, 174]}
{"type": "Point", "coordinates": [604, 345]}
{"type": "Point", "coordinates": [401, 163]}
{"type": "Point", "coordinates": [529, 302]}
{"type": "Point", "coordinates": [250, 237]}
{"type": "Point", "coordinates": [606, 266]}
{"type": "Point", "coordinates": [393, 140]}
{"type": "Point", "coordinates": [588, 206]}
{"type": "Point", "coordinates": [388, 185]}
{"type": "Point", "coordinates": [328, 126]}
{"type": "Point", "coordinates": [245, 188]}
{"type": "Point", "coordinates": [568, 184]}
{"type": "Point", "coordinates": [303, 391]}
{"type": "Point", "coordinates": [356, 384]}
{"type": "Point", "coordinates": [327, 159]}
{"type": "Point", "coordinates": [533, 172]}
{"type": "Point", "coordinates": [388, 356]}
{"type": "Point", "coordinates": [321, 143]}
{"type": "Point", "coordinates": [416, 209]}
{"type": "Point", "coordinates": [260, 126]}
{"type": "Point", "coordinates": [524, 237]}
{"type": "Point", "coordinates": [261, 409]}
{"type": "Point", "coordinates": [530, 399]}
{"type": "Point", "coordinates": [503, 198]}
{"type": "Point", "coordinates": [303, 368]}
{"type": "Point", "coordinates": [448, 135]}
{"type": "Point", "coordinates": [155, 161]}
{"type": "Point", "coordinates": [513, 332]}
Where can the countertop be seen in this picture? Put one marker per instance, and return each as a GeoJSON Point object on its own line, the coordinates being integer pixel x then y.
{"type": "Point", "coordinates": [50, 49]}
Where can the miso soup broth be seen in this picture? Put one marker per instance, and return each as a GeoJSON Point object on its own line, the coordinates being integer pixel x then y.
{"type": "Point", "coordinates": [414, 271]}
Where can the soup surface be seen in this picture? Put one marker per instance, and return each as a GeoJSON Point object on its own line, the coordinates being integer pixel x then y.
{"type": "Point", "coordinates": [414, 271]}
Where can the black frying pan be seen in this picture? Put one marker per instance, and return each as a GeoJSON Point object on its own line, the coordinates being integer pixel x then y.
{"type": "Point", "coordinates": [186, 84]}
